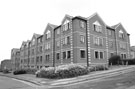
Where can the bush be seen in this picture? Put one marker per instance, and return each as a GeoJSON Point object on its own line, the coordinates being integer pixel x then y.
{"type": "Point", "coordinates": [97, 68]}
{"type": "Point", "coordinates": [19, 71]}
{"type": "Point", "coordinates": [63, 71]}
{"type": "Point", "coordinates": [114, 60]}
{"type": "Point", "coordinates": [5, 71]}
{"type": "Point", "coordinates": [30, 71]}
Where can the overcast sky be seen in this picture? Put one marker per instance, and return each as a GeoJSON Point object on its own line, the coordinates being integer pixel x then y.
{"type": "Point", "coordinates": [19, 19]}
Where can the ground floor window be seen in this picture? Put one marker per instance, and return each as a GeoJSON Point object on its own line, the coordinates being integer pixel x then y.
{"type": "Point", "coordinates": [123, 56]}
{"type": "Point", "coordinates": [47, 57]}
{"type": "Point", "coordinates": [64, 55]}
{"type": "Point", "coordinates": [82, 53]}
{"type": "Point", "coordinates": [58, 56]}
{"type": "Point", "coordinates": [68, 54]}
{"type": "Point", "coordinates": [41, 59]}
{"type": "Point", "coordinates": [99, 54]}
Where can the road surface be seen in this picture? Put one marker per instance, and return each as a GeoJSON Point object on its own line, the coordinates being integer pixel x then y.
{"type": "Point", "coordinates": [123, 81]}
{"type": "Point", "coordinates": [10, 83]}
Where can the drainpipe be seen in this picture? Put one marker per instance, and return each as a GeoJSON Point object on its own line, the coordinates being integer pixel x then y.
{"type": "Point", "coordinates": [87, 45]}
{"type": "Point", "coordinates": [53, 42]}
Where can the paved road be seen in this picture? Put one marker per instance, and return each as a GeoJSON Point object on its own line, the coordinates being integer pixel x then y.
{"type": "Point", "coordinates": [123, 81]}
{"type": "Point", "coordinates": [9, 83]}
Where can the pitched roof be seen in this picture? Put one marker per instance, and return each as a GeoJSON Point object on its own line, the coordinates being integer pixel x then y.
{"type": "Point", "coordinates": [114, 26]}
{"type": "Point", "coordinates": [36, 35]}
{"type": "Point", "coordinates": [52, 25]}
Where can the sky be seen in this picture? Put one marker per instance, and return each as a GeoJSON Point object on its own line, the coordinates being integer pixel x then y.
{"type": "Point", "coordinates": [19, 19]}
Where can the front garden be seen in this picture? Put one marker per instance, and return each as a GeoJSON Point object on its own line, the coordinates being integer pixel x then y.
{"type": "Point", "coordinates": [72, 70]}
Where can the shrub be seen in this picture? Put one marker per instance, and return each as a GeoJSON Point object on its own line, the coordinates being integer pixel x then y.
{"type": "Point", "coordinates": [19, 71]}
{"type": "Point", "coordinates": [30, 71]}
{"type": "Point", "coordinates": [63, 71]}
{"type": "Point", "coordinates": [114, 60]}
{"type": "Point", "coordinates": [97, 68]}
{"type": "Point", "coordinates": [6, 71]}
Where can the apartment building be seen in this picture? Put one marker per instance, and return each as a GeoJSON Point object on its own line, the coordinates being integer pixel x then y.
{"type": "Point", "coordinates": [6, 64]}
{"type": "Point", "coordinates": [15, 58]}
{"type": "Point", "coordinates": [87, 41]}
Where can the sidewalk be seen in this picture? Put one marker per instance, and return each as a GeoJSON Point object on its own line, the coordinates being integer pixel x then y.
{"type": "Point", "coordinates": [53, 82]}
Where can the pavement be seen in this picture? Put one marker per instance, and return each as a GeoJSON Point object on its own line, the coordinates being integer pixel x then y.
{"type": "Point", "coordinates": [58, 82]}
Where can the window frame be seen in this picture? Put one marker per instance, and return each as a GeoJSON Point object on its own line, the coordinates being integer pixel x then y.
{"type": "Point", "coordinates": [98, 54]}
{"type": "Point", "coordinates": [82, 56]}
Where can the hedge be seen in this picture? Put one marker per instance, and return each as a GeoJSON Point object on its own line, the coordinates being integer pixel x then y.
{"type": "Point", "coordinates": [67, 71]}
{"type": "Point", "coordinates": [24, 71]}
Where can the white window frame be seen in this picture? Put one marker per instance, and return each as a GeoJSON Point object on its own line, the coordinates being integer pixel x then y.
{"type": "Point", "coordinates": [97, 27]}
{"type": "Point", "coordinates": [48, 34]}
{"type": "Point", "coordinates": [98, 54]}
{"type": "Point", "coordinates": [67, 54]}
{"type": "Point", "coordinates": [82, 24]}
{"type": "Point", "coordinates": [84, 51]}
{"type": "Point", "coordinates": [82, 38]}
{"type": "Point", "coordinates": [96, 41]}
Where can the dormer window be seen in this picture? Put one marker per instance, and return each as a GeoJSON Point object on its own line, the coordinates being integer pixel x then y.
{"type": "Point", "coordinates": [66, 25]}
{"type": "Point", "coordinates": [121, 34]}
{"type": "Point", "coordinates": [33, 42]}
{"type": "Point", "coordinates": [97, 26]}
{"type": "Point", "coordinates": [48, 34]}
{"type": "Point", "coordinates": [82, 24]}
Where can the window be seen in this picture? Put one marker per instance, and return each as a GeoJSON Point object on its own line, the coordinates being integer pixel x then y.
{"type": "Point", "coordinates": [37, 59]}
{"type": "Point", "coordinates": [58, 43]}
{"type": "Point", "coordinates": [68, 54]}
{"type": "Point", "coordinates": [64, 55]}
{"type": "Point", "coordinates": [41, 59]}
{"type": "Point", "coordinates": [64, 40]}
{"type": "Point", "coordinates": [40, 49]}
{"type": "Point", "coordinates": [111, 44]}
{"type": "Point", "coordinates": [66, 27]}
{"type": "Point", "coordinates": [82, 38]}
{"type": "Point", "coordinates": [98, 41]}
{"type": "Point", "coordinates": [97, 26]}
{"type": "Point", "coordinates": [47, 57]}
{"type": "Point", "coordinates": [122, 45]}
{"type": "Point", "coordinates": [58, 56]}
{"type": "Point", "coordinates": [48, 34]}
{"type": "Point", "coordinates": [68, 40]}
{"type": "Point", "coordinates": [58, 31]}
{"type": "Point", "coordinates": [123, 56]}
{"type": "Point", "coordinates": [47, 46]}
{"type": "Point", "coordinates": [82, 24]}
{"type": "Point", "coordinates": [121, 34]}
{"type": "Point", "coordinates": [99, 55]}
{"type": "Point", "coordinates": [33, 42]}
{"type": "Point", "coordinates": [96, 54]}
{"type": "Point", "coordinates": [82, 53]}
